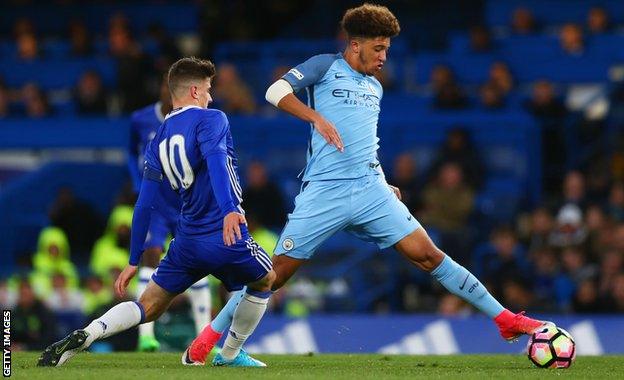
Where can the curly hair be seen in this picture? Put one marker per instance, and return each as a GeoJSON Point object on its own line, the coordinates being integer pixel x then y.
{"type": "Point", "coordinates": [370, 21]}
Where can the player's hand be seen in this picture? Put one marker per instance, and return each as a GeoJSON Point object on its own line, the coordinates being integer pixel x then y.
{"type": "Point", "coordinates": [329, 132]}
{"type": "Point", "coordinates": [395, 190]}
{"type": "Point", "coordinates": [231, 227]}
{"type": "Point", "coordinates": [124, 279]}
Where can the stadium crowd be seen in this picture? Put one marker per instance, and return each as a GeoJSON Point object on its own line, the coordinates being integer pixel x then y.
{"type": "Point", "coordinates": [565, 254]}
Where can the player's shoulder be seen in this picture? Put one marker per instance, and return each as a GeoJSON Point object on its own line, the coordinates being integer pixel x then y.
{"type": "Point", "coordinates": [212, 119]}
{"type": "Point", "coordinates": [323, 61]}
{"type": "Point", "coordinates": [210, 114]}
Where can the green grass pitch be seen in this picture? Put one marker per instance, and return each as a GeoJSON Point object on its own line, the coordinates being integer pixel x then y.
{"type": "Point", "coordinates": [318, 367]}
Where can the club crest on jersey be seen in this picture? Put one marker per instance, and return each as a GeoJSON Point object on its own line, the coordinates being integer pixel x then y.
{"type": "Point", "coordinates": [296, 73]}
{"type": "Point", "coordinates": [288, 244]}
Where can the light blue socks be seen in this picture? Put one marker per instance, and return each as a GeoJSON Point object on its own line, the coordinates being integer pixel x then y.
{"type": "Point", "coordinates": [223, 320]}
{"type": "Point", "coordinates": [459, 281]}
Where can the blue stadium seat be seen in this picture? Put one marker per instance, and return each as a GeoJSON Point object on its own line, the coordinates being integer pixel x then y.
{"type": "Point", "coordinates": [55, 73]}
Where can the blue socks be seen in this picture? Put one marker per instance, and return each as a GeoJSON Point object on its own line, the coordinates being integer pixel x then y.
{"type": "Point", "coordinates": [223, 320]}
{"type": "Point", "coordinates": [459, 281]}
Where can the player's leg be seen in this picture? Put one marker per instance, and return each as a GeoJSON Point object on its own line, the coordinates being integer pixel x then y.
{"type": "Point", "coordinates": [418, 248]}
{"type": "Point", "coordinates": [151, 257]}
{"type": "Point", "coordinates": [201, 299]}
{"type": "Point", "coordinates": [381, 217]}
{"type": "Point", "coordinates": [237, 265]}
{"type": "Point", "coordinates": [249, 311]}
{"type": "Point", "coordinates": [154, 301]}
{"type": "Point", "coordinates": [154, 244]}
{"type": "Point", "coordinates": [312, 222]}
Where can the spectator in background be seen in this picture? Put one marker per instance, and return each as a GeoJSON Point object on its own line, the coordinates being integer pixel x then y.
{"type": "Point", "coordinates": [575, 265]}
{"type": "Point", "coordinates": [615, 203]}
{"type": "Point", "coordinates": [611, 265]}
{"type": "Point", "coordinates": [480, 39]}
{"type": "Point", "coordinates": [459, 148]}
{"type": "Point", "coordinates": [544, 278]}
{"type": "Point", "coordinates": [263, 198]}
{"type": "Point", "coordinates": [598, 21]}
{"type": "Point", "coordinates": [446, 92]}
{"type": "Point", "coordinates": [4, 101]}
{"type": "Point", "coordinates": [80, 41]}
{"type": "Point", "coordinates": [598, 227]}
{"type": "Point", "coordinates": [232, 94]}
{"type": "Point", "coordinates": [523, 21]}
{"type": "Point", "coordinates": [617, 294]}
{"type": "Point", "coordinates": [540, 226]}
{"type": "Point", "coordinates": [32, 322]}
{"type": "Point", "coordinates": [571, 39]}
{"type": "Point", "coordinates": [27, 47]}
{"type": "Point", "coordinates": [517, 295]}
{"type": "Point", "coordinates": [574, 190]}
{"type": "Point", "coordinates": [586, 299]}
{"type": "Point", "coordinates": [404, 176]}
{"type": "Point", "coordinates": [23, 25]}
{"type": "Point", "coordinates": [569, 229]}
{"type": "Point", "coordinates": [133, 69]}
{"type": "Point", "coordinates": [64, 298]}
{"type": "Point", "coordinates": [78, 220]}
{"type": "Point", "coordinates": [111, 251]}
{"type": "Point", "coordinates": [95, 295]}
{"type": "Point", "coordinates": [503, 257]}
{"type": "Point", "coordinates": [90, 95]}
{"type": "Point", "coordinates": [52, 257]}
{"type": "Point", "coordinates": [550, 114]}
{"type": "Point", "coordinates": [35, 102]}
{"type": "Point", "coordinates": [544, 103]}
{"type": "Point", "coordinates": [448, 200]}
{"type": "Point", "coordinates": [500, 75]}
{"type": "Point", "coordinates": [598, 181]}
{"type": "Point", "coordinates": [492, 97]}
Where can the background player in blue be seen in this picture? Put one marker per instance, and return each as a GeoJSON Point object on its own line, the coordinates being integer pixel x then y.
{"type": "Point", "coordinates": [343, 186]}
{"type": "Point", "coordinates": [143, 126]}
{"type": "Point", "coordinates": [194, 150]}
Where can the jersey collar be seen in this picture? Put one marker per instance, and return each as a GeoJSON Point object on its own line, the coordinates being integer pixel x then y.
{"type": "Point", "coordinates": [179, 110]}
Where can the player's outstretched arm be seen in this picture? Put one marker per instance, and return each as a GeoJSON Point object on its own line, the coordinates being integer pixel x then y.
{"type": "Point", "coordinates": [281, 95]}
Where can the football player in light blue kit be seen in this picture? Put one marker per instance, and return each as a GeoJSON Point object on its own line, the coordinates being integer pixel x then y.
{"type": "Point", "coordinates": [194, 150]}
{"type": "Point", "coordinates": [143, 126]}
{"type": "Point", "coordinates": [344, 188]}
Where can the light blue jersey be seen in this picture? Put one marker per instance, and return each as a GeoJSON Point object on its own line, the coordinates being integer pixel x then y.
{"type": "Point", "coordinates": [342, 191]}
{"type": "Point", "coordinates": [348, 99]}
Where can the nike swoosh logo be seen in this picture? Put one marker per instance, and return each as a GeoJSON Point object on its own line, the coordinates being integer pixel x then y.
{"type": "Point", "coordinates": [59, 350]}
{"type": "Point", "coordinates": [409, 217]}
{"type": "Point", "coordinates": [339, 76]}
{"type": "Point", "coordinates": [464, 284]}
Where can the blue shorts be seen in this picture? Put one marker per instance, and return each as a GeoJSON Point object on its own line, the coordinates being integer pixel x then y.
{"type": "Point", "coordinates": [189, 260]}
{"type": "Point", "coordinates": [364, 207]}
{"type": "Point", "coordinates": [160, 227]}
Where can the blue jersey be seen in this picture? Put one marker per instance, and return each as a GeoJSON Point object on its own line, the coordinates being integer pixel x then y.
{"type": "Point", "coordinates": [348, 99]}
{"type": "Point", "coordinates": [143, 126]}
{"type": "Point", "coordinates": [194, 150]}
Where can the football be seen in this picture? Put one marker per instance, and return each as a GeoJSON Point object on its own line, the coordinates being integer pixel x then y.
{"type": "Point", "coordinates": [551, 347]}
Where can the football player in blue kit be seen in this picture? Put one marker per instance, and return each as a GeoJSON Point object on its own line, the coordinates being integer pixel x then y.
{"type": "Point", "coordinates": [194, 151]}
{"type": "Point", "coordinates": [143, 126]}
{"type": "Point", "coordinates": [344, 187]}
